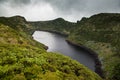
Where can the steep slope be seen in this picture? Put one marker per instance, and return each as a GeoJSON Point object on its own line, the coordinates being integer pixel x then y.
{"type": "Point", "coordinates": [23, 58]}
{"type": "Point", "coordinates": [99, 32]}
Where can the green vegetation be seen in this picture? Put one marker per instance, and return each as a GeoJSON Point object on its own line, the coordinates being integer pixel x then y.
{"type": "Point", "coordinates": [26, 62]}
{"type": "Point", "coordinates": [99, 32]}
{"type": "Point", "coordinates": [22, 58]}
{"type": "Point", "coordinates": [57, 25]}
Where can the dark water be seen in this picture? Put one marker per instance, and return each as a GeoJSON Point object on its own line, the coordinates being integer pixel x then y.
{"type": "Point", "coordinates": [57, 43]}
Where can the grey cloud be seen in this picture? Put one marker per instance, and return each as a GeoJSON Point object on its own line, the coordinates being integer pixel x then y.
{"type": "Point", "coordinates": [89, 6]}
{"type": "Point", "coordinates": [103, 5]}
{"type": "Point", "coordinates": [21, 1]}
{"type": "Point", "coordinates": [69, 9]}
{"type": "Point", "coordinates": [67, 5]}
{"type": "Point", "coordinates": [15, 3]}
{"type": "Point", "coordinates": [2, 0]}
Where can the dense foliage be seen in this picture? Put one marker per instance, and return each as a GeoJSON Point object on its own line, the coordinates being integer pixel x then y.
{"type": "Point", "coordinates": [26, 62]}
{"type": "Point", "coordinates": [21, 58]}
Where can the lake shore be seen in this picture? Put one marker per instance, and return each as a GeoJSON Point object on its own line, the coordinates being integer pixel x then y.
{"type": "Point", "coordinates": [56, 32]}
{"type": "Point", "coordinates": [98, 64]}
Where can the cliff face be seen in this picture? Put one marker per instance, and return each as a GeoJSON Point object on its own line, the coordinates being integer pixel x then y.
{"type": "Point", "coordinates": [23, 58]}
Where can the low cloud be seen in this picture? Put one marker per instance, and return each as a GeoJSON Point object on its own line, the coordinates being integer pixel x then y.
{"type": "Point", "coordinates": [71, 10]}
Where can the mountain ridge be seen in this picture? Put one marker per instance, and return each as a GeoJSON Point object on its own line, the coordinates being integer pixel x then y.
{"type": "Point", "coordinates": [99, 32]}
{"type": "Point", "coordinates": [23, 58]}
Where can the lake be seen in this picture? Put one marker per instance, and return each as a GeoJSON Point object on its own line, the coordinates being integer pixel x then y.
{"type": "Point", "coordinates": [57, 43]}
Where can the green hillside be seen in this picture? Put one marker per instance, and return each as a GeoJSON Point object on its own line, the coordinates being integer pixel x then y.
{"type": "Point", "coordinates": [99, 32]}
{"type": "Point", "coordinates": [22, 58]}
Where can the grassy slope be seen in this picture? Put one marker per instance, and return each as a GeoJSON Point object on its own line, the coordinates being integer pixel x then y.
{"type": "Point", "coordinates": [100, 33]}
{"type": "Point", "coordinates": [21, 58]}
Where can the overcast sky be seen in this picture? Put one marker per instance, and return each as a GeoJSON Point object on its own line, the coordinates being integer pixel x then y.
{"type": "Point", "coordinates": [71, 10]}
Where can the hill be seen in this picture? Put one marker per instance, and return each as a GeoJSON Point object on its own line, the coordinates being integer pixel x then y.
{"type": "Point", "coordinates": [22, 58]}
{"type": "Point", "coordinates": [58, 25]}
{"type": "Point", "coordinates": [99, 32]}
